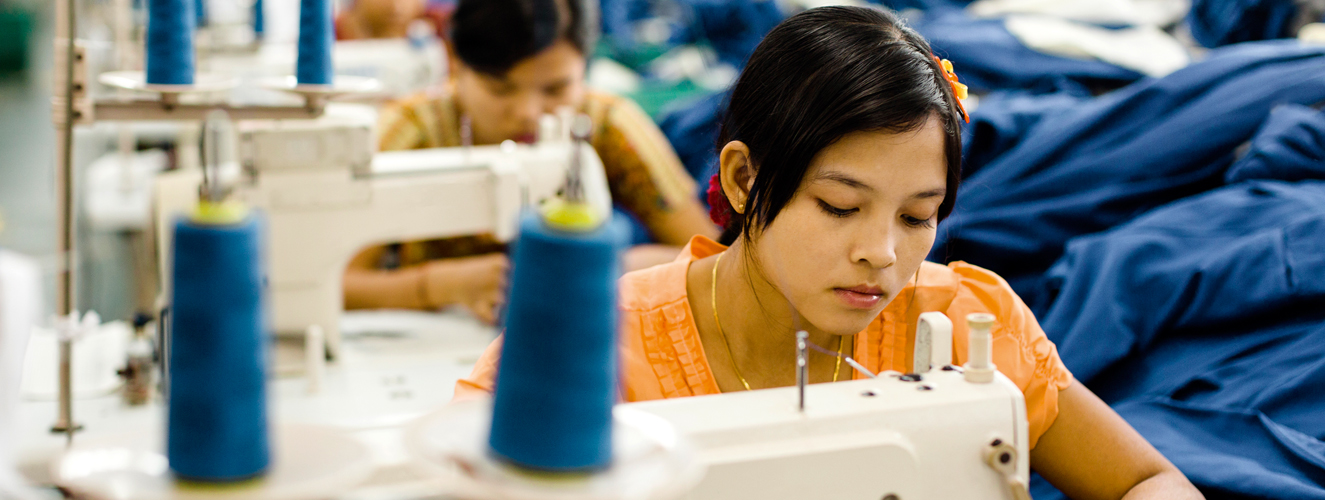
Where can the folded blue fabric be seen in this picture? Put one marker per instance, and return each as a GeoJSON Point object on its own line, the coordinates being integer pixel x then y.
{"type": "Point", "coordinates": [618, 18]}
{"type": "Point", "coordinates": [693, 132]}
{"type": "Point", "coordinates": [1106, 161]}
{"type": "Point", "coordinates": [1003, 118]}
{"type": "Point", "coordinates": [1208, 336]}
{"type": "Point", "coordinates": [988, 57]}
{"type": "Point", "coordinates": [1289, 146]}
{"type": "Point", "coordinates": [1233, 253]}
{"type": "Point", "coordinates": [923, 5]}
{"type": "Point", "coordinates": [1221, 22]}
{"type": "Point", "coordinates": [733, 28]}
{"type": "Point", "coordinates": [1236, 407]}
{"type": "Point", "coordinates": [1231, 453]}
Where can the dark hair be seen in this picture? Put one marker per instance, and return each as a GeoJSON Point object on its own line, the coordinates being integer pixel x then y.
{"type": "Point", "coordinates": [492, 36]}
{"type": "Point", "coordinates": [820, 75]}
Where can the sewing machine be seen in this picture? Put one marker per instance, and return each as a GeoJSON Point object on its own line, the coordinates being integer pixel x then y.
{"type": "Point", "coordinates": [885, 438]}
{"type": "Point", "coordinates": [942, 432]}
{"type": "Point", "coordinates": [327, 196]}
{"type": "Point", "coordinates": [891, 438]}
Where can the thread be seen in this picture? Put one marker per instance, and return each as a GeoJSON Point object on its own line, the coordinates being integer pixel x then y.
{"type": "Point", "coordinates": [315, 39]}
{"type": "Point", "coordinates": [552, 406]}
{"type": "Point", "coordinates": [217, 423]}
{"type": "Point", "coordinates": [200, 13]}
{"type": "Point", "coordinates": [259, 20]}
{"type": "Point", "coordinates": [169, 45]}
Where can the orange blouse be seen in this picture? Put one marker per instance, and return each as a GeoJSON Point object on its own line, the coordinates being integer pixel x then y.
{"type": "Point", "coordinates": [662, 355]}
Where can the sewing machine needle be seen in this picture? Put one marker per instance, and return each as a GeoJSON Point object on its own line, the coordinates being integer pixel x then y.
{"type": "Point", "coordinates": [802, 366]}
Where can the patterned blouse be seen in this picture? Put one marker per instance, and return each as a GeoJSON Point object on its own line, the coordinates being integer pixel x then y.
{"type": "Point", "coordinates": [644, 175]}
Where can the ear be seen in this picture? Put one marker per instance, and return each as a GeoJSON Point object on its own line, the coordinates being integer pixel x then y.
{"type": "Point", "coordinates": [737, 174]}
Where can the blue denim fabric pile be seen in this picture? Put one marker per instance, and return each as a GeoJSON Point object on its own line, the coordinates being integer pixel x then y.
{"type": "Point", "coordinates": [1170, 236]}
{"type": "Point", "coordinates": [1168, 232]}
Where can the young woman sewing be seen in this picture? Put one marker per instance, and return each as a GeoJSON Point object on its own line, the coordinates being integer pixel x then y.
{"type": "Point", "coordinates": [511, 62]}
{"type": "Point", "coordinates": [840, 152]}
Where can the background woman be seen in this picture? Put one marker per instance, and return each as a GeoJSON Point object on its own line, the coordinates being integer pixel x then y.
{"type": "Point", "coordinates": [511, 62]}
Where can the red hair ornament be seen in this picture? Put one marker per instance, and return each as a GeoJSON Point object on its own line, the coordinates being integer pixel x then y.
{"type": "Point", "coordinates": [720, 210]}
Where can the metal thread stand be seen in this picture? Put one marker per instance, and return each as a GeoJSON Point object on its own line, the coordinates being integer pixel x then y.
{"type": "Point", "coordinates": [63, 117]}
{"type": "Point", "coordinates": [72, 106]}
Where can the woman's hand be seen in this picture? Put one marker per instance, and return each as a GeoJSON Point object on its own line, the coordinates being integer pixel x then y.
{"type": "Point", "coordinates": [478, 283]}
{"type": "Point", "coordinates": [1092, 453]}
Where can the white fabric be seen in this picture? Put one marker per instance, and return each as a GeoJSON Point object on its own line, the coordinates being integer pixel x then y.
{"type": "Point", "coordinates": [1146, 49]}
{"type": "Point", "coordinates": [119, 189]}
{"type": "Point", "coordinates": [1312, 33]}
{"type": "Point", "coordinates": [1108, 12]}
{"type": "Point", "coordinates": [98, 353]}
{"type": "Point", "coordinates": [20, 308]}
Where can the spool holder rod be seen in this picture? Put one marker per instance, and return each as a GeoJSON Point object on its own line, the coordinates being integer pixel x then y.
{"type": "Point", "coordinates": [65, 22]}
{"type": "Point", "coordinates": [71, 92]}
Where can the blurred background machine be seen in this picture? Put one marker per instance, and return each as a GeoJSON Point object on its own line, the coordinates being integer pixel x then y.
{"type": "Point", "coordinates": [327, 196]}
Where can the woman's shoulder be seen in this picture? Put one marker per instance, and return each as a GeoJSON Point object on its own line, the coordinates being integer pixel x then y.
{"type": "Point", "coordinates": [960, 288]}
{"type": "Point", "coordinates": [652, 288]}
{"type": "Point", "coordinates": [427, 119]}
{"type": "Point", "coordinates": [980, 288]}
{"type": "Point", "coordinates": [958, 279]}
{"type": "Point", "coordinates": [432, 97]}
{"type": "Point", "coordinates": [594, 98]}
{"type": "Point", "coordinates": [612, 110]}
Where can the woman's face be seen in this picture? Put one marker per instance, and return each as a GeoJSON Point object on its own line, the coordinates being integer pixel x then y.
{"type": "Point", "coordinates": [858, 228]}
{"type": "Point", "coordinates": [508, 107]}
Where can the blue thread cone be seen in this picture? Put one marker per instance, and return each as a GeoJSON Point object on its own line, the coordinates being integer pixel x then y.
{"type": "Point", "coordinates": [315, 40]}
{"type": "Point", "coordinates": [217, 423]}
{"type": "Point", "coordinates": [558, 379]}
{"type": "Point", "coordinates": [200, 13]}
{"type": "Point", "coordinates": [259, 20]}
{"type": "Point", "coordinates": [169, 50]}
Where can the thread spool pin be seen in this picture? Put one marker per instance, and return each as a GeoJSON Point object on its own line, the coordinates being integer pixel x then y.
{"type": "Point", "coordinates": [979, 366]}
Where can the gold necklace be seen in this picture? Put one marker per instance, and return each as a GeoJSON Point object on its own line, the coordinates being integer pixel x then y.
{"type": "Point", "coordinates": [713, 298]}
{"type": "Point", "coordinates": [838, 366]}
{"type": "Point", "coordinates": [713, 302]}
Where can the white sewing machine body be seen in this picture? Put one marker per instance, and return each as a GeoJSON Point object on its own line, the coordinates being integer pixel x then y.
{"type": "Point", "coordinates": [864, 439]}
{"type": "Point", "coordinates": [326, 196]}
{"type": "Point", "coordinates": [944, 433]}
{"type": "Point", "coordinates": [891, 438]}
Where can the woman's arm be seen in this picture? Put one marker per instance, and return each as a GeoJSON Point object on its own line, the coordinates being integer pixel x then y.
{"type": "Point", "coordinates": [644, 173]}
{"type": "Point", "coordinates": [684, 221]}
{"type": "Point", "coordinates": [478, 283]}
{"type": "Point", "coordinates": [1092, 453]}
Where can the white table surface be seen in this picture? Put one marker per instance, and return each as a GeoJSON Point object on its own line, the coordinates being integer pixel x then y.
{"type": "Point", "coordinates": [395, 367]}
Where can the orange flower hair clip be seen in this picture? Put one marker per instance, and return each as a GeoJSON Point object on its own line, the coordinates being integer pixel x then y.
{"type": "Point", "coordinates": [958, 89]}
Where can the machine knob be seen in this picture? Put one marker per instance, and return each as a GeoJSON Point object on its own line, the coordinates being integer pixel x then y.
{"type": "Point", "coordinates": [1002, 457]}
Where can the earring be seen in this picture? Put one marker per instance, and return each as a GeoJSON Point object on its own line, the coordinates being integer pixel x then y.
{"type": "Point", "coordinates": [740, 207]}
